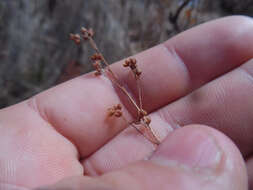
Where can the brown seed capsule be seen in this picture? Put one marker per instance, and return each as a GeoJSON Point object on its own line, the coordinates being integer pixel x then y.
{"type": "Point", "coordinates": [147, 120]}
{"type": "Point", "coordinates": [138, 73]}
{"type": "Point", "coordinates": [115, 111]}
{"type": "Point", "coordinates": [133, 61]}
{"type": "Point", "coordinates": [126, 63]}
{"type": "Point", "coordinates": [118, 113]}
{"type": "Point", "coordinates": [111, 112]}
{"type": "Point", "coordinates": [96, 56]}
{"type": "Point", "coordinates": [118, 107]}
{"type": "Point", "coordinates": [86, 34]}
{"type": "Point", "coordinates": [142, 113]}
{"type": "Point", "coordinates": [91, 32]}
{"type": "Point", "coordinates": [76, 38]}
{"type": "Point", "coordinates": [98, 68]}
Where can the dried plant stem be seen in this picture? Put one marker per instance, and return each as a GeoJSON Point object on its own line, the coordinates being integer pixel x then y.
{"type": "Point", "coordinates": [139, 92]}
{"type": "Point", "coordinates": [94, 46]}
{"type": "Point", "coordinates": [127, 94]}
{"type": "Point", "coordinates": [100, 61]}
{"type": "Point", "coordinates": [115, 79]}
{"type": "Point", "coordinates": [153, 138]}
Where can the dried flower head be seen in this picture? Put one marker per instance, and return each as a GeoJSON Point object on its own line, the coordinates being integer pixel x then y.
{"type": "Point", "coordinates": [96, 57]}
{"type": "Point", "coordinates": [115, 111]}
{"type": "Point", "coordinates": [76, 38]}
{"type": "Point", "coordinates": [132, 63]}
{"type": "Point", "coordinates": [103, 67]}
{"type": "Point", "coordinates": [86, 34]}
{"type": "Point", "coordinates": [98, 67]}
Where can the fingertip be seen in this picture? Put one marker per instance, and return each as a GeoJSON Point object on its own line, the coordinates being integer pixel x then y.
{"type": "Point", "coordinates": [194, 148]}
{"type": "Point", "coordinates": [203, 149]}
{"type": "Point", "coordinates": [221, 45]}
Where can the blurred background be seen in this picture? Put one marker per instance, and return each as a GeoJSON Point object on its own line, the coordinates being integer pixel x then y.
{"type": "Point", "coordinates": [36, 53]}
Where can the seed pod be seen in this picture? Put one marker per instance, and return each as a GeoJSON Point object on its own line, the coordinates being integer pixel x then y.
{"type": "Point", "coordinates": [111, 112]}
{"type": "Point", "coordinates": [118, 113]}
{"type": "Point", "coordinates": [98, 68]}
{"type": "Point", "coordinates": [147, 120]}
{"type": "Point", "coordinates": [96, 56]}
{"type": "Point", "coordinates": [76, 38]}
{"type": "Point", "coordinates": [118, 107]}
{"type": "Point", "coordinates": [126, 63]}
{"type": "Point", "coordinates": [91, 32]}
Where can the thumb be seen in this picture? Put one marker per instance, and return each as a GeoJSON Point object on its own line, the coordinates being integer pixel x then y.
{"type": "Point", "coordinates": [193, 157]}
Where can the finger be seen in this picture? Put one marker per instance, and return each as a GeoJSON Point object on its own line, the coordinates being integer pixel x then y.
{"type": "Point", "coordinates": [32, 152]}
{"type": "Point", "coordinates": [77, 109]}
{"type": "Point", "coordinates": [191, 59]}
{"type": "Point", "coordinates": [225, 103]}
{"type": "Point", "coordinates": [116, 153]}
{"type": "Point", "coordinates": [193, 157]}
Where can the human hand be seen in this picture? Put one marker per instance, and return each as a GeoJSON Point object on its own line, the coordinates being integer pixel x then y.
{"type": "Point", "coordinates": [63, 132]}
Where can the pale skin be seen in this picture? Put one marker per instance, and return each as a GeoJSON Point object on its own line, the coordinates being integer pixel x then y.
{"type": "Point", "coordinates": [198, 90]}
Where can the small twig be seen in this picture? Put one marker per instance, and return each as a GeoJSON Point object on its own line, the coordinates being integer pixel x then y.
{"type": "Point", "coordinates": [154, 139]}
{"type": "Point", "coordinates": [139, 92]}
{"type": "Point", "coordinates": [132, 64]}
{"type": "Point", "coordinates": [94, 46]}
{"type": "Point", "coordinates": [115, 79]}
{"type": "Point", "coordinates": [126, 93]}
{"type": "Point", "coordinates": [116, 110]}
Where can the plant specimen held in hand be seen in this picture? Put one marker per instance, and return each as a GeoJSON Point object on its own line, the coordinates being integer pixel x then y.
{"type": "Point", "coordinates": [102, 67]}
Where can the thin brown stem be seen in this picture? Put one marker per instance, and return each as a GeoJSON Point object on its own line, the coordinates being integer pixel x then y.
{"type": "Point", "coordinates": [125, 92]}
{"type": "Point", "coordinates": [115, 80]}
{"type": "Point", "coordinates": [94, 46]}
{"type": "Point", "coordinates": [107, 71]}
{"type": "Point", "coordinates": [153, 139]}
{"type": "Point", "coordinates": [139, 92]}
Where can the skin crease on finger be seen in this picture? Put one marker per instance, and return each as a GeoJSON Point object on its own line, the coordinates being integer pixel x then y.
{"type": "Point", "coordinates": [30, 142]}
{"type": "Point", "coordinates": [164, 171]}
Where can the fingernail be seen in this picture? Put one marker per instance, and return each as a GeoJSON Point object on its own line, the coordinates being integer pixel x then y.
{"type": "Point", "coordinates": [194, 148]}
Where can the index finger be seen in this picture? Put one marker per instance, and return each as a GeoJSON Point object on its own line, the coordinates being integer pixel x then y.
{"type": "Point", "coordinates": [77, 108]}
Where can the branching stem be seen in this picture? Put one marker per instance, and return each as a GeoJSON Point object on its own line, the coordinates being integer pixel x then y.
{"type": "Point", "coordinates": [99, 58]}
